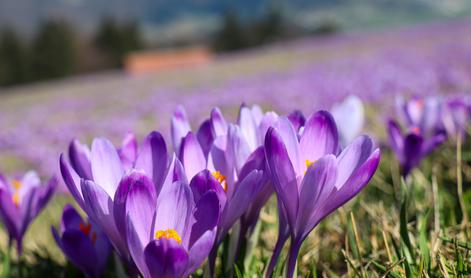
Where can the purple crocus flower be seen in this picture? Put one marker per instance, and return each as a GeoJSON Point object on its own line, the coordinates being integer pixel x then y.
{"type": "Point", "coordinates": [168, 234]}
{"type": "Point", "coordinates": [83, 243]}
{"type": "Point", "coordinates": [412, 146]}
{"type": "Point", "coordinates": [93, 176]}
{"type": "Point", "coordinates": [456, 115]}
{"type": "Point", "coordinates": [423, 131]}
{"type": "Point", "coordinates": [21, 200]}
{"type": "Point", "coordinates": [310, 179]}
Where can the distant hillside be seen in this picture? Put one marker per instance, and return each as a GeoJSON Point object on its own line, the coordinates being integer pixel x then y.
{"type": "Point", "coordinates": [168, 19]}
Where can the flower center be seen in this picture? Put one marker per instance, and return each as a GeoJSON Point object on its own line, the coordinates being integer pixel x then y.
{"type": "Point", "coordinates": [86, 229]}
{"type": "Point", "coordinates": [415, 130]}
{"type": "Point", "coordinates": [308, 164]}
{"type": "Point", "coordinates": [221, 179]}
{"type": "Point", "coordinates": [16, 195]}
{"type": "Point", "coordinates": [168, 234]}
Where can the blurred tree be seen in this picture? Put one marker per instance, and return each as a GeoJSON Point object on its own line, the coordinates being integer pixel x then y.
{"type": "Point", "coordinates": [269, 28]}
{"type": "Point", "coordinates": [53, 51]}
{"type": "Point", "coordinates": [116, 40]}
{"type": "Point", "coordinates": [13, 59]}
{"type": "Point", "coordinates": [232, 34]}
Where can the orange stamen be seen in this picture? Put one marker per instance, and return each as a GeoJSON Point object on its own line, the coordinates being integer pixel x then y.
{"type": "Point", "coordinates": [16, 184]}
{"type": "Point", "coordinates": [16, 198]}
{"type": "Point", "coordinates": [221, 179]}
{"type": "Point", "coordinates": [85, 228]}
{"type": "Point", "coordinates": [168, 234]}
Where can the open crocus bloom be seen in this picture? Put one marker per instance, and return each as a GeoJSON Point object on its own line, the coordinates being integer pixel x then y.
{"type": "Point", "coordinates": [169, 234]}
{"type": "Point", "coordinates": [21, 200]}
{"type": "Point", "coordinates": [350, 117]}
{"type": "Point", "coordinates": [83, 243]}
{"type": "Point", "coordinates": [237, 161]}
{"type": "Point", "coordinates": [310, 179]}
{"type": "Point", "coordinates": [93, 176]}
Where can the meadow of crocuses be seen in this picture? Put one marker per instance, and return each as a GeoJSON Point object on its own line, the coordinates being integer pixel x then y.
{"type": "Point", "coordinates": [344, 156]}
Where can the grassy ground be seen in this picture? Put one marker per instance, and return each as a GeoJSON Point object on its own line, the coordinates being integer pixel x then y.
{"type": "Point", "coordinates": [394, 228]}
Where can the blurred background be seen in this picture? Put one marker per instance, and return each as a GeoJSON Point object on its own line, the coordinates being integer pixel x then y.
{"type": "Point", "coordinates": [87, 68]}
{"type": "Point", "coordinates": [50, 39]}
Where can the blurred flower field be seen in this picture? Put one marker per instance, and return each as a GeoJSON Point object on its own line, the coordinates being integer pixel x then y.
{"type": "Point", "coordinates": [412, 225]}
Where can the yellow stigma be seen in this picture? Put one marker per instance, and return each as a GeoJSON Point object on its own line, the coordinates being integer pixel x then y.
{"type": "Point", "coordinates": [16, 184]}
{"type": "Point", "coordinates": [168, 234]}
{"type": "Point", "coordinates": [309, 163]}
{"type": "Point", "coordinates": [221, 179]}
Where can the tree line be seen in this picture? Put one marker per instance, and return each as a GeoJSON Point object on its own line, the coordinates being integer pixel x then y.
{"type": "Point", "coordinates": [57, 51]}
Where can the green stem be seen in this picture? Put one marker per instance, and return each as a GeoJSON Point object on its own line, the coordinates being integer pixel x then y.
{"type": "Point", "coordinates": [459, 184]}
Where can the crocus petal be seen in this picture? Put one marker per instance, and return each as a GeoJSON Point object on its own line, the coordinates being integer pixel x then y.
{"type": "Point", "coordinates": [218, 122]}
{"type": "Point", "coordinates": [349, 116]}
{"type": "Point", "coordinates": [297, 119]}
{"type": "Point", "coordinates": [353, 157]}
{"type": "Point", "coordinates": [79, 155]}
{"type": "Point", "coordinates": [205, 217]}
{"type": "Point", "coordinates": [396, 139]}
{"type": "Point", "coordinates": [128, 150]}
{"type": "Point", "coordinates": [320, 137]}
{"type": "Point", "coordinates": [153, 158]}
{"type": "Point", "coordinates": [107, 169]}
{"type": "Point", "coordinates": [165, 258]}
{"type": "Point", "coordinates": [257, 114]}
{"type": "Point", "coordinates": [413, 145]}
{"type": "Point", "coordinates": [140, 212]}
{"type": "Point", "coordinates": [134, 181]}
{"type": "Point", "coordinates": [290, 140]}
{"type": "Point", "coordinates": [192, 155]}
{"type": "Point", "coordinates": [174, 209]}
{"type": "Point", "coordinates": [3, 182]}
{"type": "Point", "coordinates": [284, 178]}
{"type": "Point", "coordinates": [256, 161]}
{"type": "Point", "coordinates": [199, 251]}
{"type": "Point", "coordinates": [357, 181]}
{"type": "Point", "coordinates": [179, 126]}
{"type": "Point", "coordinates": [100, 209]}
{"type": "Point", "coordinates": [70, 219]}
{"type": "Point", "coordinates": [9, 213]}
{"type": "Point", "coordinates": [72, 181]}
{"type": "Point", "coordinates": [205, 136]}
{"type": "Point", "coordinates": [204, 182]}
{"type": "Point", "coordinates": [44, 193]}
{"type": "Point", "coordinates": [268, 121]}
{"type": "Point", "coordinates": [220, 159]}
{"type": "Point", "coordinates": [237, 147]}
{"type": "Point", "coordinates": [246, 190]}
{"type": "Point", "coordinates": [316, 187]}
{"type": "Point", "coordinates": [29, 181]}
{"type": "Point", "coordinates": [248, 127]}
{"type": "Point", "coordinates": [434, 142]}
{"type": "Point", "coordinates": [80, 251]}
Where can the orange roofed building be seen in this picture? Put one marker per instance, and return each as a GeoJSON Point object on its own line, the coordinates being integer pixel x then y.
{"type": "Point", "coordinates": [153, 61]}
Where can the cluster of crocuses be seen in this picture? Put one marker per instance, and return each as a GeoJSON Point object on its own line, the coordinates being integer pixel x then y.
{"type": "Point", "coordinates": [165, 213]}
{"type": "Point", "coordinates": [427, 123]}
